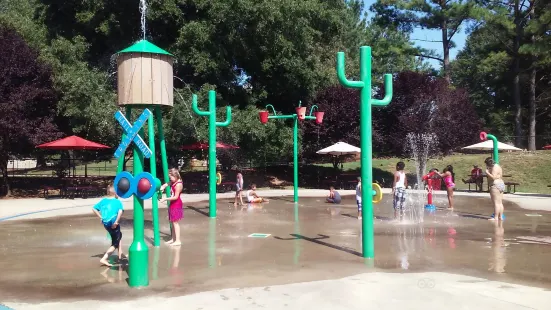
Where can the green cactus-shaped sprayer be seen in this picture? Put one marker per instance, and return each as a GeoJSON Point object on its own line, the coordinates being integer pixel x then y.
{"type": "Point", "coordinates": [364, 84]}
{"type": "Point", "coordinates": [211, 113]}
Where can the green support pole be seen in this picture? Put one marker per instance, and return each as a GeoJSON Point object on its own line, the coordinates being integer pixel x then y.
{"type": "Point", "coordinates": [297, 232]}
{"type": "Point", "coordinates": [295, 159]}
{"type": "Point", "coordinates": [138, 269]}
{"type": "Point", "coordinates": [366, 102]}
{"type": "Point", "coordinates": [495, 150]}
{"type": "Point", "coordinates": [164, 159]}
{"type": "Point", "coordinates": [212, 154]}
{"type": "Point", "coordinates": [211, 113]}
{"type": "Point", "coordinates": [212, 243]}
{"type": "Point", "coordinates": [156, 253]}
{"type": "Point", "coordinates": [153, 168]}
{"type": "Point", "coordinates": [120, 163]}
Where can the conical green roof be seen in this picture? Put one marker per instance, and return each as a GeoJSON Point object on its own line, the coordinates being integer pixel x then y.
{"type": "Point", "coordinates": [144, 46]}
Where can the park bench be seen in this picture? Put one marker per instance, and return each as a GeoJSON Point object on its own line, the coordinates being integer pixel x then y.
{"type": "Point", "coordinates": [325, 184]}
{"type": "Point", "coordinates": [469, 182]}
{"type": "Point", "coordinates": [226, 186]}
{"type": "Point", "coordinates": [473, 182]}
{"type": "Point", "coordinates": [70, 192]}
{"type": "Point", "coordinates": [351, 184]}
{"type": "Point", "coordinates": [194, 187]}
{"type": "Point", "coordinates": [90, 191]}
{"type": "Point", "coordinates": [46, 190]}
{"type": "Point", "coordinates": [83, 191]}
{"type": "Point", "coordinates": [511, 184]}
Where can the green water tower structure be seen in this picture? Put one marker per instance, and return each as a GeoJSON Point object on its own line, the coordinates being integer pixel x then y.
{"type": "Point", "coordinates": [144, 83]}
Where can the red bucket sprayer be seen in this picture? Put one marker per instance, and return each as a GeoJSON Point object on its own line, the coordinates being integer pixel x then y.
{"type": "Point", "coordinates": [433, 181]}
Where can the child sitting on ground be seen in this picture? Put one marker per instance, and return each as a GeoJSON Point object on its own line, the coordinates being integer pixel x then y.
{"type": "Point", "coordinates": [334, 196]}
{"type": "Point", "coordinates": [252, 197]}
{"type": "Point", "coordinates": [109, 210]}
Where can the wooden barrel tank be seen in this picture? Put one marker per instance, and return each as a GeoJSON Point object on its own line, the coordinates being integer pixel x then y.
{"type": "Point", "coordinates": [145, 75]}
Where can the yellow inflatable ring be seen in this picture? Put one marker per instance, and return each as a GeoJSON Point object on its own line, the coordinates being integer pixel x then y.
{"type": "Point", "coordinates": [378, 193]}
{"type": "Point", "coordinates": [218, 178]}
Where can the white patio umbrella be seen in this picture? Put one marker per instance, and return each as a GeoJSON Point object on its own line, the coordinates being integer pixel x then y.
{"type": "Point", "coordinates": [340, 148]}
{"type": "Point", "coordinates": [488, 145]}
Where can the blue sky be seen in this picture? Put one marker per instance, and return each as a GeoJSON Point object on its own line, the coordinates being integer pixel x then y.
{"type": "Point", "coordinates": [459, 39]}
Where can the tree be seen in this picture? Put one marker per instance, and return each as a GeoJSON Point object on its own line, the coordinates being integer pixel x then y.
{"type": "Point", "coordinates": [86, 96]}
{"type": "Point", "coordinates": [536, 49]}
{"type": "Point", "coordinates": [341, 120]}
{"type": "Point", "coordinates": [510, 18]}
{"type": "Point", "coordinates": [483, 68]}
{"type": "Point", "coordinates": [27, 100]}
{"type": "Point", "coordinates": [510, 50]}
{"type": "Point", "coordinates": [448, 16]}
{"type": "Point", "coordinates": [423, 104]}
{"type": "Point", "coordinates": [283, 50]}
{"type": "Point", "coordinates": [258, 143]}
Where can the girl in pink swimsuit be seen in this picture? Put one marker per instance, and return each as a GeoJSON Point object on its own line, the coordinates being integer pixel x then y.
{"type": "Point", "coordinates": [448, 177]}
{"type": "Point", "coordinates": [175, 210]}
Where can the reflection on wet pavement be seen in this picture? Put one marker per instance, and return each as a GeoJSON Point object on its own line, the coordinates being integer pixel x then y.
{"type": "Point", "coordinates": [58, 258]}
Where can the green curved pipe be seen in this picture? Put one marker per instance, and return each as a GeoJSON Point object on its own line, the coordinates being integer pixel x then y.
{"type": "Point", "coordinates": [388, 93]}
{"type": "Point", "coordinates": [271, 106]}
{"type": "Point", "coordinates": [341, 73]}
{"type": "Point", "coordinates": [496, 150]}
{"type": "Point", "coordinates": [312, 109]}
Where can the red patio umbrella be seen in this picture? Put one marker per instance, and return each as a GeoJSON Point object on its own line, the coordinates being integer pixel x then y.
{"type": "Point", "coordinates": [73, 143]}
{"type": "Point", "coordinates": [203, 145]}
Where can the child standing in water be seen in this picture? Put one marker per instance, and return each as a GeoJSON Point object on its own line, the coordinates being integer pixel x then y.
{"type": "Point", "coordinates": [109, 210]}
{"type": "Point", "coordinates": [175, 210]}
{"type": "Point", "coordinates": [238, 189]}
{"type": "Point", "coordinates": [449, 177]}
{"type": "Point", "coordinates": [359, 197]}
{"type": "Point", "coordinates": [495, 174]}
{"type": "Point", "coordinates": [399, 188]}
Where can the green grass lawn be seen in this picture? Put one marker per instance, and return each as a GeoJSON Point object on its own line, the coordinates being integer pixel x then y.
{"type": "Point", "coordinates": [531, 170]}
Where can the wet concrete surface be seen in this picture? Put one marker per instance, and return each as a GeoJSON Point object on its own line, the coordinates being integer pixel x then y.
{"type": "Point", "coordinates": [57, 259]}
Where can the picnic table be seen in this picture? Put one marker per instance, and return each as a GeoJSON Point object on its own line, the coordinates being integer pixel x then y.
{"type": "Point", "coordinates": [75, 187]}
{"type": "Point", "coordinates": [475, 182]}
{"type": "Point", "coordinates": [508, 184]}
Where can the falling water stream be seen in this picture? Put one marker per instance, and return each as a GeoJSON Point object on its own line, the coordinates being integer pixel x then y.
{"type": "Point", "coordinates": [143, 10]}
{"type": "Point", "coordinates": [187, 106]}
{"type": "Point", "coordinates": [419, 146]}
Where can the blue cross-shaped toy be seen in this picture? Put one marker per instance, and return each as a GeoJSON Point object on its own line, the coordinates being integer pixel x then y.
{"type": "Point", "coordinates": [132, 133]}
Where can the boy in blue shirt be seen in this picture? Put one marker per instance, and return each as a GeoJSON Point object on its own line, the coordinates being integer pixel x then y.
{"type": "Point", "coordinates": [109, 210]}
